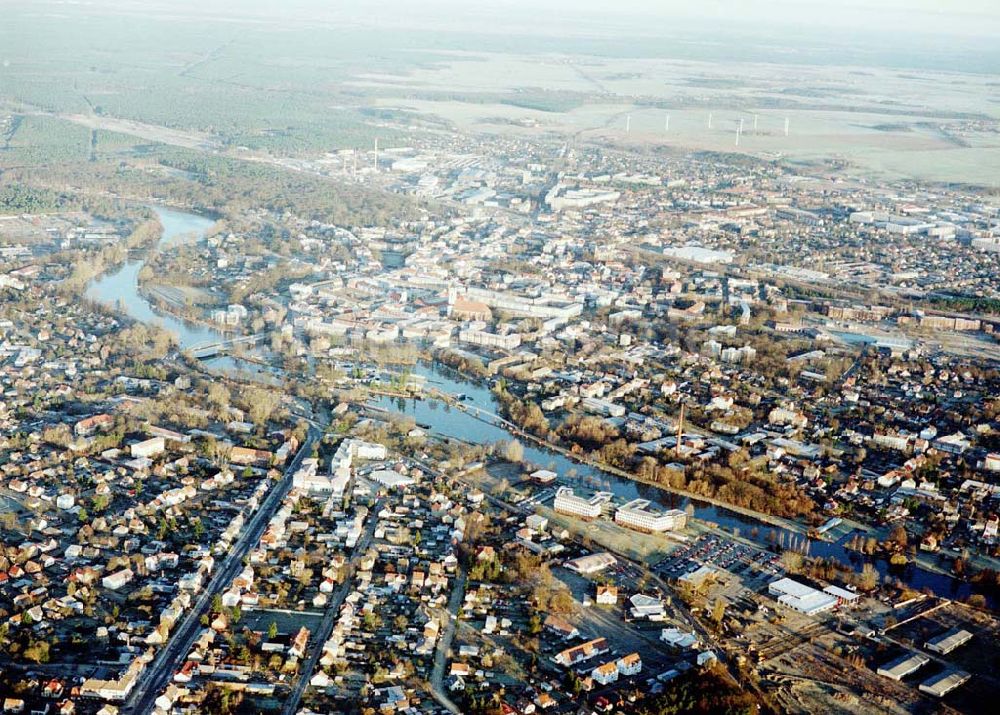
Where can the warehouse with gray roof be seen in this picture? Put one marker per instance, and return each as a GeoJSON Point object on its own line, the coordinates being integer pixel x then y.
{"type": "Point", "coordinates": [948, 641]}
{"type": "Point", "coordinates": [944, 682]}
{"type": "Point", "coordinates": [904, 665]}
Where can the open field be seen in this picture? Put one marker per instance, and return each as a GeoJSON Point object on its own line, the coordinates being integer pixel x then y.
{"type": "Point", "coordinates": [905, 113]}
{"type": "Point", "coordinates": [646, 548]}
{"type": "Point", "coordinates": [882, 121]}
{"type": "Point", "coordinates": [286, 621]}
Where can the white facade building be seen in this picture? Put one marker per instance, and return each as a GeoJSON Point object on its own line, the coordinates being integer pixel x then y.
{"type": "Point", "coordinates": [638, 515]}
{"type": "Point", "coordinates": [149, 448]}
{"type": "Point", "coordinates": [800, 597]}
{"type": "Point", "coordinates": [490, 340]}
{"type": "Point", "coordinates": [566, 502]}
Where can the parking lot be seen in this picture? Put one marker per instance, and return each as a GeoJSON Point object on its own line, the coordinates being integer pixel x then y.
{"type": "Point", "coordinates": [754, 567]}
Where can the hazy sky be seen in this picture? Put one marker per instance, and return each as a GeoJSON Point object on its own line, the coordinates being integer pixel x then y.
{"type": "Point", "coordinates": [962, 16]}
{"type": "Point", "coordinates": [935, 16]}
{"type": "Point", "coordinates": [952, 17]}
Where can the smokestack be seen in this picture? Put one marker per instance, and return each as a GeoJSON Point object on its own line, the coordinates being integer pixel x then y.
{"type": "Point", "coordinates": [680, 432]}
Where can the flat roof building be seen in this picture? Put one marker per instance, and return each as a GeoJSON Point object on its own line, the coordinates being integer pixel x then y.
{"type": "Point", "coordinates": [800, 597]}
{"type": "Point", "coordinates": [639, 515]}
{"type": "Point", "coordinates": [948, 641]}
{"type": "Point", "coordinates": [943, 683]}
{"type": "Point", "coordinates": [566, 502]}
{"type": "Point", "coordinates": [903, 665]}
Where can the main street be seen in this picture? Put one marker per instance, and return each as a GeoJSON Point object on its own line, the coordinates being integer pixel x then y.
{"type": "Point", "coordinates": [160, 671]}
{"type": "Point", "coordinates": [322, 634]}
{"type": "Point", "coordinates": [444, 644]}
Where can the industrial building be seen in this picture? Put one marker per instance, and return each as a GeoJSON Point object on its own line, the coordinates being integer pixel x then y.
{"type": "Point", "coordinates": [802, 598]}
{"type": "Point", "coordinates": [592, 563]}
{"type": "Point", "coordinates": [149, 448]}
{"type": "Point", "coordinates": [903, 666]}
{"type": "Point", "coordinates": [948, 641]}
{"type": "Point", "coordinates": [842, 595]}
{"type": "Point", "coordinates": [561, 197]}
{"type": "Point", "coordinates": [944, 682]}
{"type": "Point", "coordinates": [643, 606]}
{"type": "Point", "coordinates": [605, 408]}
{"type": "Point", "coordinates": [679, 639]}
{"type": "Point", "coordinates": [699, 576]}
{"type": "Point", "coordinates": [698, 254]}
{"type": "Point", "coordinates": [391, 479]}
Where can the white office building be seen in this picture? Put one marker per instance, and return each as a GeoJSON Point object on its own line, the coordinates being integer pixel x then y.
{"type": "Point", "coordinates": [490, 340]}
{"type": "Point", "coordinates": [566, 502]}
{"type": "Point", "coordinates": [639, 515]}
{"type": "Point", "coordinates": [309, 478]}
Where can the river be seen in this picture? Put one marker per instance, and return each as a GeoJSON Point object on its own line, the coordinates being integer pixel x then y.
{"type": "Point", "coordinates": [451, 422]}
{"type": "Point", "coordinates": [119, 288]}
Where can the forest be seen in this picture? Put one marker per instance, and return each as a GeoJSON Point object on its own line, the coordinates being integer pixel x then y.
{"type": "Point", "coordinates": [292, 100]}
{"type": "Point", "coordinates": [705, 692]}
{"type": "Point", "coordinates": [209, 184]}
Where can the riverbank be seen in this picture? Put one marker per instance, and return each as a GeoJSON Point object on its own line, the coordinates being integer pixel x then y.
{"type": "Point", "coordinates": [118, 289]}
{"type": "Point", "coordinates": [477, 413]}
{"type": "Point", "coordinates": [455, 420]}
{"type": "Point", "coordinates": [157, 297]}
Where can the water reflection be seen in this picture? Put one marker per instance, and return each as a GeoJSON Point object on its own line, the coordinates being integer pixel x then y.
{"type": "Point", "coordinates": [461, 425]}
{"type": "Point", "coordinates": [119, 289]}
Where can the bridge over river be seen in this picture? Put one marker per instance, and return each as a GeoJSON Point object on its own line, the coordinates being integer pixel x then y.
{"type": "Point", "coordinates": [207, 349]}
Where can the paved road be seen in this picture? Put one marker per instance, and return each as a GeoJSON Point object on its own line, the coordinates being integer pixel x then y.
{"type": "Point", "coordinates": [444, 644]}
{"type": "Point", "coordinates": [160, 672]}
{"type": "Point", "coordinates": [322, 633]}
